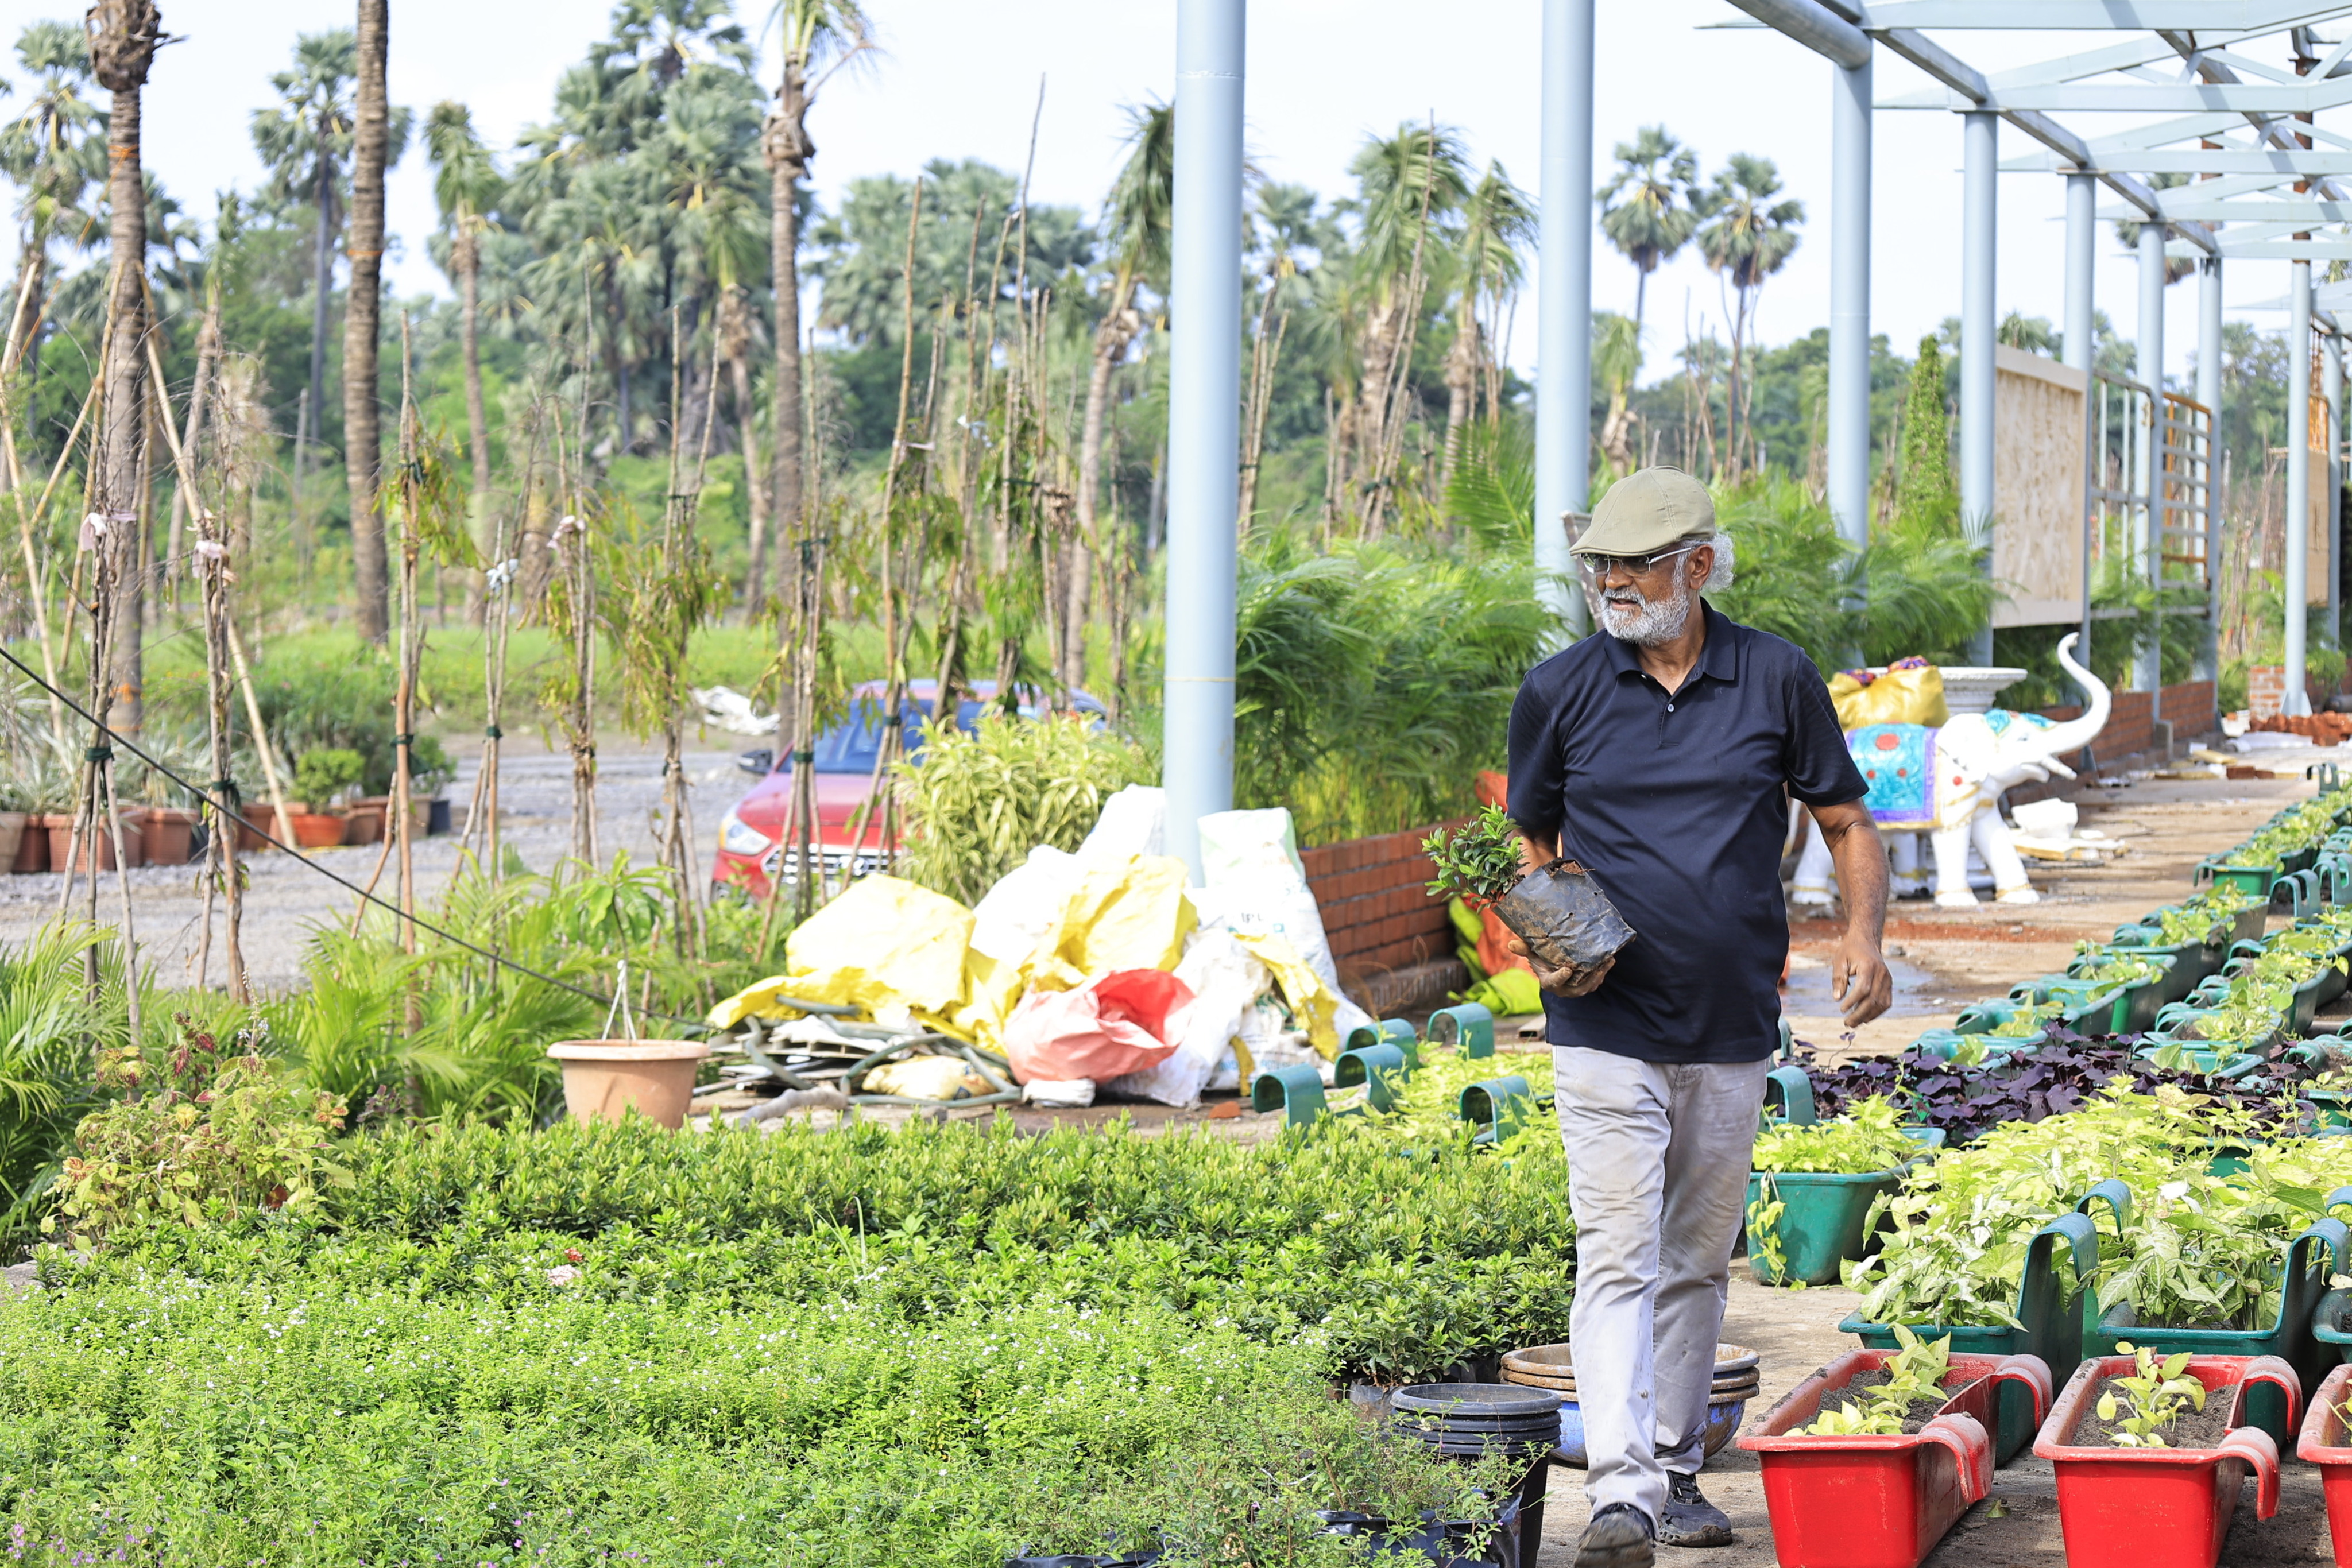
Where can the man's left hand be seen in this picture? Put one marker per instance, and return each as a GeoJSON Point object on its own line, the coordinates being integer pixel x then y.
{"type": "Point", "coordinates": [1861, 981]}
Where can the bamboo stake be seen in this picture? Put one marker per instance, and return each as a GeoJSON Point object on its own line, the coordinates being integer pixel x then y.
{"type": "Point", "coordinates": [404, 716]}
{"type": "Point", "coordinates": [221, 850]}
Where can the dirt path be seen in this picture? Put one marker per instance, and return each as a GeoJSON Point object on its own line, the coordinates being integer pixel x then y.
{"type": "Point", "coordinates": [285, 900]}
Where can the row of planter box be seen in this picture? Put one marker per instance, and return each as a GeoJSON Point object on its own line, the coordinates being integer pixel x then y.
{"type": "Point", "coordinates": [171, 835]}
{"type": "Point", "coordinates": [1884, 1501]}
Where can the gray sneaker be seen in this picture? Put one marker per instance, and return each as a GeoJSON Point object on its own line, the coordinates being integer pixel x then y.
{"type": "Point", "coordinates": [1691, 1519]}
{"type": "Point", "coordinates": [1618, 1537]}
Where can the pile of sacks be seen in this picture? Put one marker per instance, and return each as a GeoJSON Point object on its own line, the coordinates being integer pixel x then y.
{"type": "Point", "coordinates": [1096, 971]}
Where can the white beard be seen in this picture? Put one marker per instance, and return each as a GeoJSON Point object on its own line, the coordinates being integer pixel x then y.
{"type": "Point", "coordinates": [1646, 623]}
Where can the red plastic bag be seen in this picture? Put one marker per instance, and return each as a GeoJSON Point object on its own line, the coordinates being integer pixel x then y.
{"type": "Point", "coordinates": [1114, 1023]}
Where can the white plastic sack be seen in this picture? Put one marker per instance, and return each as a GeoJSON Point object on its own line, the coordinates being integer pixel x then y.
{"type": "Point", "coordinates": [1013, 916]}
{"type": "Point", "coordinates": [1225, 981]}
{"type": "Point", "coordinates": [1133, 822]}
{"type": "Point", "coordinates": [1257, 884]}
{"type": "Point", "coordinates": [1067, 1093]}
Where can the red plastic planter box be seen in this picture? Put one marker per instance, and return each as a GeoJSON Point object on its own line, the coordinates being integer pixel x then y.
{"type": "Point", "coordinates": [2162, 1508]}
{"type": "Point", "coordinates": [1882, 1502]}
{"type": "Point", "coordinates": [2326, 1442]}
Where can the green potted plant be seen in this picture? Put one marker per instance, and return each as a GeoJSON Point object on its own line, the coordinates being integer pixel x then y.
{"type": "Point", "coordinates": [323, 778]}
{"type": "Point", "coordinates": [1557, 910]}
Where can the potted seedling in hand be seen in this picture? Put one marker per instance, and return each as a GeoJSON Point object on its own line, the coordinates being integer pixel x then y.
{"type": "Point", "coordinates": [1561, 915]}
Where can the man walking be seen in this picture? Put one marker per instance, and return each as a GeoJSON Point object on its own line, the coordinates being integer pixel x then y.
{"type": "Point", "coordinates": [1660, 756]}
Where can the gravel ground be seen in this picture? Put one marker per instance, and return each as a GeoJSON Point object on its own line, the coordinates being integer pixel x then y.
{"type": "Point", "coordinates": [286, 899]}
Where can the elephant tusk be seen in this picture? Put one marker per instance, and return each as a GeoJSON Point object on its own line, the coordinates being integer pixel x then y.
{"type": "Point", "coordinates": [2057, 767]}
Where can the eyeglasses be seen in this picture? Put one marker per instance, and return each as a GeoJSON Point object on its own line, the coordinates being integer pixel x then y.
{"type": "Point", "coordinates": [1594, 568]}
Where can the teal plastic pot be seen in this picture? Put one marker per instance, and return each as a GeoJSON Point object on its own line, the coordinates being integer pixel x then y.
{"type": "Point", "coordinates": [2331, 1110]}
{"type": "Point", "coordinates": [2255, 881]}
{"type": "Point", "coordinates": [1824, 1220]}
{"type": "Point", "coordinates": [2218, 1058]}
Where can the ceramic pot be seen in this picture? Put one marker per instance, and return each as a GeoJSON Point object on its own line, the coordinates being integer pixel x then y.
{"type": "Point", "coordinates": [31, 846]}
{"type": "Point", "coordinates": [12, 834]}
{"type": "Point", "coordinates": [61, 845]}
{"type": "Point", "coordinates": [604, 1079]}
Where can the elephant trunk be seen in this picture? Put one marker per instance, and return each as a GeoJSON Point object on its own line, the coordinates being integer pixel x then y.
{"type": "Point", "coordinates": [2073, 734]}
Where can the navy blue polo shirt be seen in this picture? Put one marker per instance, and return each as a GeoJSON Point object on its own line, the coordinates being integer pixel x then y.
{"type": "Point", "coordinates": [1675, 804]}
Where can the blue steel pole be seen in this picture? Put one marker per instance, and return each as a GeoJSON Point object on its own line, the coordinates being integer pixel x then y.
{"type": "Point", "coordinates": [2078, 351]}
{"type": "Point", "coordinates": [1848, 367]}
{"type": "Point", "coordinates": [2331, 388]}
{"type": "Point", "coordinates": [1564, 307]}
{"type": "Point", "coordinates": [2294, 699]}
{"type": "Point", "coordinates": [1981, 139]}
{"type": "Point", "coordinates": [1204, 313]}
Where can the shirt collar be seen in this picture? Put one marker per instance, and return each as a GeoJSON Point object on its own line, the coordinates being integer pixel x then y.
{"type": "Point", "coordinates": [1718, 659]}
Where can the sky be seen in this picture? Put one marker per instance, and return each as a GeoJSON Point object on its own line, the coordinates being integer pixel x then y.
{"type": "Point", "coordinates": [954, 79]}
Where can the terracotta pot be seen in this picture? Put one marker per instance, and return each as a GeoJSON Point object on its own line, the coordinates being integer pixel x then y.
{"type": "Point", "coordinates": [170, 833]}
{"type": "Point", "coordinates": [33, 847]}
{"type": "Point", "coordinates": [606, 1079]}
{"type": "Point", "coordinates": [12, 833]}
{"type": "Point", "coordinates": [366, 819]}
{"type": "Point", "coordinates": [262, 818]}
{"type": "Point", "coordinates": [61, 845]}
{"type": "Point", "coordinates": [318, 830]}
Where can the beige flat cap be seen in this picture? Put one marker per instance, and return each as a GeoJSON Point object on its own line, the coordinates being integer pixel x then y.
{"type": "Point", "coordinates": [1648, 510]}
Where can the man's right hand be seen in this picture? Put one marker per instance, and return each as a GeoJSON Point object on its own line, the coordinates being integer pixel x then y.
{"type": "Point", "coordinates": [1567, 982]}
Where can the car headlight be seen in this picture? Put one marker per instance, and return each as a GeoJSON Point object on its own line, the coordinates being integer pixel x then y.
{"type": "Point", "coordinates": [738, 837]}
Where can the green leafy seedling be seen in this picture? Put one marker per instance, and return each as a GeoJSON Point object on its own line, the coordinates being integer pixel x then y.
{"type": "Point", "coordinates": [2157, 1394]}
{"type": "Point", "coordinates": [1479, 861]}
{"type": "Point", "coordinates": [1914, 1374]}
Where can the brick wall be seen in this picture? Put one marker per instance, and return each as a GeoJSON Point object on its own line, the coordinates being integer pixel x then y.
{"type": "Point", "coordinates": [2265, 689]}
{"type": "Point", "coordinates": [2131, 716]}
{"type": "Point", "coordinates": [1374, 897]}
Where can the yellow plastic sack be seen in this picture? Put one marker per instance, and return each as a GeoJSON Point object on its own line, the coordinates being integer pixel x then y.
{"type": "Point", "coordinates": [1915, 695]}
{"type": "Point", "coordinates": [1311, 1001]}
{"type": "Point", "coordinates": [1125, 914]}
{"type": "Point", "coordinates": [885, 947]}
{"type": "Point", "coordinates": [1512, 993]}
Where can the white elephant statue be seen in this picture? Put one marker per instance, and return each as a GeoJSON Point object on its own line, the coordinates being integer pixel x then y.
{"type": "Point", "coordinates": [1946, 782]}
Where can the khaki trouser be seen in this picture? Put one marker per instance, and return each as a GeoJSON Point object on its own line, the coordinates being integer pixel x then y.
{"type": "Point", "coordinates": [1657, 1160]}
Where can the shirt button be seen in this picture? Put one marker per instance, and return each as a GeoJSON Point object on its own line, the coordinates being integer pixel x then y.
{"type": "Point", "coordinates": [1670, 707]}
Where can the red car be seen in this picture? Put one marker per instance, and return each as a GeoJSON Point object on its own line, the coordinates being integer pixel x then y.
{"type": "Point", "coordinates": [753, 834]}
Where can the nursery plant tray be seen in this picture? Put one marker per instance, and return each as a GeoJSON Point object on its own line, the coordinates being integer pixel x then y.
{"type": "Point", "coordinates": [2292, 1339]}
{"type": "Point", "coordinates": [2050, 1319]}
{"type": "Point", "coordinates": [2162, 1508]}
{"type": "Point", "coordinates": [2325, 1442]}
{"type": "Point", "coordinates": [1872, 1502]}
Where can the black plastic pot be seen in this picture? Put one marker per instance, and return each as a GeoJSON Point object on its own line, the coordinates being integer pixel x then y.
{"type": "Point", "coordinates": [1565, 919]}
{"type": "Point", "coordinates": [1478, 1420]}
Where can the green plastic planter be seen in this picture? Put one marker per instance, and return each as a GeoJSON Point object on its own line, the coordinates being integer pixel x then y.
{"type": "Point", "coordinates": [1792, 1091]}
{"type": "Point", "coordinates": [2129, 1011]}
{"type": "Point", "coordinates": [1824, 1220]}
{"type": "Point", "coordinates": [1296, 1092]}
{"type": "Point", "coordinates": [2318, 1252]}
{"type": "Point", "coordinates": [1388, 1031]}
{"type": "Point", "coordinates": [1381, 1069]}
{"type": "Point", "coordinates": [2050, 1315]}
{"type": "Point", "coordinates": [2252, 880]}
{"type": "Point", "coordinates": [2223, 1061]}
{"type": "Point", "coordinates": [1469, 1028]}
{"type": "Point", "coordinates": [1497, 1107]}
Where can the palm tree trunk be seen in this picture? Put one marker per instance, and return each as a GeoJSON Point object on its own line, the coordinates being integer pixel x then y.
{"type": "Point", "coordinates": [468, 258]}
{"type": "Point", "coordinates": [363, 433]}
{"type": "Point", "coordinates": [311, 415]}
{"type": "Point", "coordinates": [789, 151]}
{"type": "Point", "coordinates": [1111, 339]}
{"type": "Point", "coordinates": [124, 421]}
{"type": "Point", "coordinates": [755, 483]}
{"type": "Point", "coordinates": [1461, 385]}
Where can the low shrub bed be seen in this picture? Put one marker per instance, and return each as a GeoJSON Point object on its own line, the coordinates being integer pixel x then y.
{"type": "Point", "coordinates": [162, 1420]}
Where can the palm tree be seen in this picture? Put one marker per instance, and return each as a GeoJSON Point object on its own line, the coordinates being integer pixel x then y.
{"type": "Point", "coordinates": [466, 186]}
{"type": "Point", "coordinates": [1746, 242]}
{"type": "Point", "coordinates": [1616, 360]}
{"type": "Point", "coordinates": [52, 155]}
{"type": "Point", "coordinates": [1411, 189]}
{"type": "Point", "coordinates": [1136, 223]}
{"type": "Point", "coordinates": [304, 141]}
{"type": "Point", "coordinates": [1648, 209]}
{"type": "Point", "coordinates": [372, 154]}
{"type": "Point", "coordinates": [122, 35]}
{"type": "Point", "coordinates": [813, 32]}
{"type": "Point", "coordinates": [1496, 220]}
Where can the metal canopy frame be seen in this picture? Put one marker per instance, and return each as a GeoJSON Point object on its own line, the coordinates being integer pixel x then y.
{"type": "Point", "coordinates": [2234, 124]}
